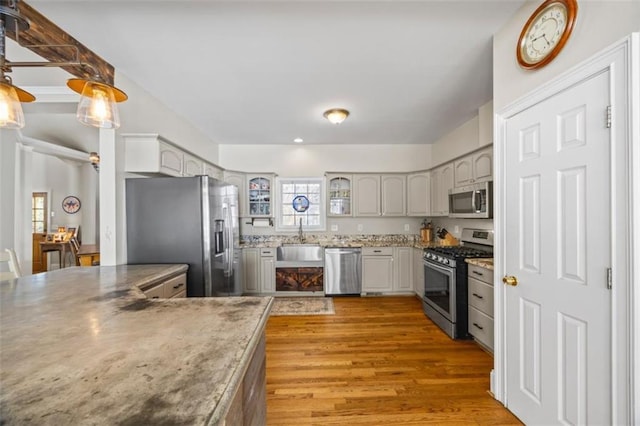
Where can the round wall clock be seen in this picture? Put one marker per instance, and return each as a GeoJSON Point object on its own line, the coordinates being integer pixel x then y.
{"type": "Point", "coordinates": [546, 32]}
{"type": "Point", "coordinates": [71, 204]}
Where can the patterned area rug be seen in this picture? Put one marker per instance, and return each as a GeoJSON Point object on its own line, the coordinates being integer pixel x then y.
{"type": "Point", "coordinates": [302, 306]}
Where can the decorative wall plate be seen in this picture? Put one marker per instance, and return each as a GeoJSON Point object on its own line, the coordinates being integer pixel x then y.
{"type": "Point", "coordinates": [300, 204]}
{"type": "Point", "coordinates": [71, 204]}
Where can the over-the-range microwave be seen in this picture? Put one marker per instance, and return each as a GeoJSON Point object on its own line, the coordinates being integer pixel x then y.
{"type": "Point", "coordinates": [473, 201]}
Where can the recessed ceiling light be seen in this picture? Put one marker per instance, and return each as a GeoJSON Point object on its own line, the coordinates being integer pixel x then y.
{"type": "Point", "coordinates": [298, 140]}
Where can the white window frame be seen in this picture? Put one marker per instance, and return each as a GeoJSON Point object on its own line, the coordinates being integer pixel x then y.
{"type": "Point", "coordinates": [280, 181]}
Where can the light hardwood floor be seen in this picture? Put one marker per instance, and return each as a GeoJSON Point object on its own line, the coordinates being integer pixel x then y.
{"type": "Point", "coordinates": [377, 361]}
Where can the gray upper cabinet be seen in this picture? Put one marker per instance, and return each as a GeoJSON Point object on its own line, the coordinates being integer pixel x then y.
{"type": "Point", "coordinates": [212, 171]}
{"type": "Point", "coordinates": [441, 183]}
{"type": "Point", "coordinates": [339, 199]}
{"type": "Point", "coordinates": [394, 195]}
{"type": "Point", "coordinates": [419, 194]}
{"type": "Point", "coordinates": [192, 166]}
{"type": "Point", "coordinates": [238, 179]}
{"type": "Point", "coordinates": [380, 195]}
{"type": "Point", "coordinates": [367, 195]}
{"type": "Point", "coordinates": [259, 194]}
{"type": "Point", "coordinates": [474, 168]}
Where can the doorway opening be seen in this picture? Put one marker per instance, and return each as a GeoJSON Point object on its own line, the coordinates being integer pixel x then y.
{"type": "Point", "coordinates": [39, 229]}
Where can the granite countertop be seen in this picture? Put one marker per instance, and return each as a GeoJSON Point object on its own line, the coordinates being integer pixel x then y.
{"type": "Point", "coordinates": [486, 262]}
{"type": "Point", "coordinates": [85, 346]}
{"type": "Point", "coordinates": [353, 243]}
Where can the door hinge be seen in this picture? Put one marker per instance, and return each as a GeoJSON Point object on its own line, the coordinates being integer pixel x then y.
{"type": "Point", "coordinates": [608, 116]}
{"type": "Point", "coordinates": [609, 278]}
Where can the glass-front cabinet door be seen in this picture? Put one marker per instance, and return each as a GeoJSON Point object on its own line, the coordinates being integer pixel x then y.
{"type": "Point", "coordinates": [260, 192]}
{"type": "Point", "coordinates": [340, 195]}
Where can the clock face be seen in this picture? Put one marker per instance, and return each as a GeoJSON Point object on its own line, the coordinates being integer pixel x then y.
{"type": "Point", "coordinates": [546, 32]}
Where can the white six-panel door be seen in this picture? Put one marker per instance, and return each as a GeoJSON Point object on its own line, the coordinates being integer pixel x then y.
{"type": "Point", "coordinates": [558, 222]}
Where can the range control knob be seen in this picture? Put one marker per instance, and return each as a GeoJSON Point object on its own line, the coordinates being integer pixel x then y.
{"type": "Point", "coordinates": [445, 261]}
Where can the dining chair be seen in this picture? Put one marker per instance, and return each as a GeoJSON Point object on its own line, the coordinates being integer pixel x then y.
{"type": "Point", "coordinates": [75, 248]}
{"type": "Point", "coordinates": [9, 260]}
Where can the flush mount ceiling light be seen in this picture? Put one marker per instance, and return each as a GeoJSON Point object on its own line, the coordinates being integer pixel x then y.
{"type": "Point", "coordinates": [298, 140]}
{"type": "Point", "coordinates": [336, 115]}
{"type": "Point", "coordinates": [97, 106]}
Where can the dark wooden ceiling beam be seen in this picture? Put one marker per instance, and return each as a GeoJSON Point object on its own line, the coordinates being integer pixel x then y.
{"type": "Point", "coordinates": [44, 32]}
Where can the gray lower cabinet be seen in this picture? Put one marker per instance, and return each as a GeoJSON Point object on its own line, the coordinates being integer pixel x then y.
{"type": "Point", "coordinates": [418, 272]}
{"type": "Point", "coordinates": [172, 288]}
{"type": "Point", "coordinates": [251, 269]}
{"type": "Point", "coordinates": [387, 270]}
{"type": "Point", "coordinates": [480, 298]}
{"type": "Point", "coordinates": [377, 269]}
{"type": "Point", "coordinates": [249, 404]}
{"type": "Point", "coordinates": [403, 273]}
{"type": "Point", "coordinates": [259, 267]}
{"type": "Point", "coordinates": [268, 270]}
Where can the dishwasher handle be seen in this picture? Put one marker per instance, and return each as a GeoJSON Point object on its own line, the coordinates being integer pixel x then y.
{"type": "Point", "coordinates": [342, 250]}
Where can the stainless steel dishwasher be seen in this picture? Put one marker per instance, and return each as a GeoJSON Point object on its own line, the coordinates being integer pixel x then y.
{"type": "Point", "coordinates": [342, 271]}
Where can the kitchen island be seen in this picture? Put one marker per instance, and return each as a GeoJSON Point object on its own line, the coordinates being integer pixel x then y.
{"type": "Point", "coordinates": [85, 346]}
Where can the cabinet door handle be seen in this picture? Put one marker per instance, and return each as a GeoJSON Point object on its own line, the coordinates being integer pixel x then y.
{"type": "Point", "coordinates": [477, 295]}
{"type": "Point", "coordinates": [377, 251]}
{"type": "Point", "coordinates": [478, 273]}
{"type": "Point", "coordinates": [178, 286]}
{"type": "Point", "coordinates": [155, 297]}
{"type": "Point", "coordinates": [477, 326]}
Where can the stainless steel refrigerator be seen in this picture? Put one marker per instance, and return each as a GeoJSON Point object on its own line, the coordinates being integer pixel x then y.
{"type": "Point", "coordinates": [192, 220]}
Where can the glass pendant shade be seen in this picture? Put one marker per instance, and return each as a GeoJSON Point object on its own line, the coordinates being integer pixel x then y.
{"type": "Point", "coordinates": [11, 116]}
{"type": "Point", "coordinates": [97, 105]}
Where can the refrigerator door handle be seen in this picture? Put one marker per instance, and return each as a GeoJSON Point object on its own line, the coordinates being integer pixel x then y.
{"type": "Point", "coordinates": [228, 267]}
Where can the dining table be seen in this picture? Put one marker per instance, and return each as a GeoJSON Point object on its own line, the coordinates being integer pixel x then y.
{"type": "Point", "coordinates": [89, 255]}
{"type": "Point", "coordinates": [62, 247]}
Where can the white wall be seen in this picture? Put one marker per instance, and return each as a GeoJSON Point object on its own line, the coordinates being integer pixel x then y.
{"type": "Point", "coordinates": [314, 160]}
{"type": "Point", "coordinates": [7, 188]}
{"type": "Point", "coordinates": [142, 113]}
{"type": "Point", "coordinates": [599, 24]}
{"type": "Point", "coordinates": [471, 135]}
{"type": "Point", "coordinates": [456, 143]}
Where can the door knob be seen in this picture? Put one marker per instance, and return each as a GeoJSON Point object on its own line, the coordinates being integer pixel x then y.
{"type": "Point", "coordinates": [510, 280]}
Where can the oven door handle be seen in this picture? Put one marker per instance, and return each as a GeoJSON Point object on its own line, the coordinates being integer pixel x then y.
{"type": "Point", "coordinates": [445, 269]}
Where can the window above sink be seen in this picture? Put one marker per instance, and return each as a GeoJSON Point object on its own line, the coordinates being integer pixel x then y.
{"type": "Point", "coordinates": [300, 199]}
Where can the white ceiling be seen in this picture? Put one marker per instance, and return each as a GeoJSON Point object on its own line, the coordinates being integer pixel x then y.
{"type": "Point", "coordinates": [259, 72]}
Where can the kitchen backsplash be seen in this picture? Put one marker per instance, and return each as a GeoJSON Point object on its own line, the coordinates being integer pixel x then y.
{"type": "Point", "coordinates": [455, 225]}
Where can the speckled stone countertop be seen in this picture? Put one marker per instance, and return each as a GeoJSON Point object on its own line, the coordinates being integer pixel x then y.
{"type": "Point", "coordinates": [341, 241]}
{"type": "Point", "coordinates": [482, 262]}
{"type": "Point", "coordinates": [85, 346]}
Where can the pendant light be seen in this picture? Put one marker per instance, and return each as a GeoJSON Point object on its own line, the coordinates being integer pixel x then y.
{"type": "Point", "coordinates": [11, 116]}
{"type": "Point", "coordinates": [97, 106]}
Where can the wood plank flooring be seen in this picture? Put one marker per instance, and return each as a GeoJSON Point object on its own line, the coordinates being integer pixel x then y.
{"type": "Point", "coordinates": [377, 361]}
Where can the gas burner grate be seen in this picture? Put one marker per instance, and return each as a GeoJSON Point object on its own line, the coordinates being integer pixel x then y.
{"type": "Point", "coordinates": [460, 252]}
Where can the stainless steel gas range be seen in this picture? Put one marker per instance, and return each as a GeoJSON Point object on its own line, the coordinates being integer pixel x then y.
{"type": "Point", "coordinates": [445, 280]}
